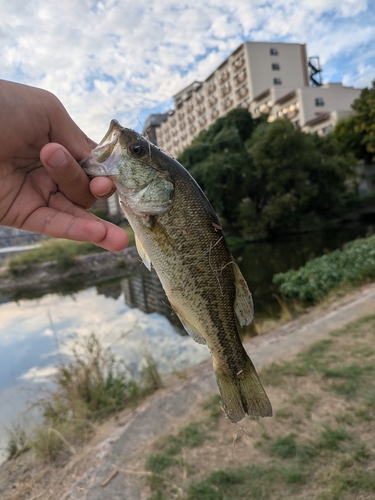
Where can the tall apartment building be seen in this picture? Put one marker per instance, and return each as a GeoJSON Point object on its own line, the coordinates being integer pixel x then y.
{"type": "Point", "coordinates": [263, 77]}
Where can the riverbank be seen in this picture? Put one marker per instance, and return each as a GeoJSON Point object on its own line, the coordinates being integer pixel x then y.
{"type": "Point", "coordinates": [90, 268]}
{"type": "Point", "coordinates": [111, 466]}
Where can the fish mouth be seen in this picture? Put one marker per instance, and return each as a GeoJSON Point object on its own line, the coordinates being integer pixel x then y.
{"type": "Point", "coordinates": [102, 161]}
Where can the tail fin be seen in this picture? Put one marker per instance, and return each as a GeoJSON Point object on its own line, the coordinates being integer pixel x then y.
{"type": "Point", "coordinates": [243, 393]}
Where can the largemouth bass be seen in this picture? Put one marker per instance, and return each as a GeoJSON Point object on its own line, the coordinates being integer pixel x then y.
{"type": "Point", "coordinates": [179, 234]}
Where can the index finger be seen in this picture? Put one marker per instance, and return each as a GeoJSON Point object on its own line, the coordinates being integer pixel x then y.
{"type": "Point", "coordinates": [67, 174]}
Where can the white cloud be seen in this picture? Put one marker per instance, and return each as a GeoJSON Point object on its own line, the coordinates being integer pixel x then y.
{"type": "Point", "coordinates": [124, 59]}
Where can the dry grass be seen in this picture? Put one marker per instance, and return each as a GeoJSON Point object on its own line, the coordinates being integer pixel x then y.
{"type": "Point", "coordinates": [319, 445]}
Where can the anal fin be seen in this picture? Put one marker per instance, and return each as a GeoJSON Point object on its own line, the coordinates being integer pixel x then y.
{"type": "Point", "coordinates": [194, 333]}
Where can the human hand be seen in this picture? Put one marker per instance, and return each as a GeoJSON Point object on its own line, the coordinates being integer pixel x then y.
{"type": "Point", "coordinates": [42, 187]}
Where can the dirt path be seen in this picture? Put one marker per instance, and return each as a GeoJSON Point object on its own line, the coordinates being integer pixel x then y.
{"type": "Point", "coordinates": [106, 468]}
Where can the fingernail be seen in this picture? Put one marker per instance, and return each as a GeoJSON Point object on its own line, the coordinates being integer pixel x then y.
{"type": "Point", "coordinates": [106, 193]}
{"type": "Point", "coordinates": [57, 159]}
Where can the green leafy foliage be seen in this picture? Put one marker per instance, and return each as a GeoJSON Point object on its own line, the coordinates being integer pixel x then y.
{"type": "Point", "coordinates": [297, 181]}
{"type": "Point", "coordinates": [264, 178]}
{"type": "Point", "coordinates": [354, 264]}
{"type": "Point", "coordinates": [356, 134]}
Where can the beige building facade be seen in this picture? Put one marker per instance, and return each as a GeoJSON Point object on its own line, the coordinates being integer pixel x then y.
{"type": "Point", "coordinates": [263, 77]}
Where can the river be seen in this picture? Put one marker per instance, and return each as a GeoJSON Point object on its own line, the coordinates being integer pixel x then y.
{"type": "Point", "coordinates": [131, 316]}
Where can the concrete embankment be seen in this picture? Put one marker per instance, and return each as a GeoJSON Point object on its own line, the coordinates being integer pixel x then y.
{"type": "Point", "coordinates": [89, 269]}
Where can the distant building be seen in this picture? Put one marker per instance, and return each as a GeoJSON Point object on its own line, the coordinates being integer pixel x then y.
{"type": "Point", "coordinates": [273, 78]}
{"type": "Point", "coordinates": [314, 109]}
{"type": "Point", "coordinates": [151, 124]}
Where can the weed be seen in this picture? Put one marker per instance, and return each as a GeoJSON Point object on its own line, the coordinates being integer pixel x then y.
{"type": "Point", "coordinates": [150, 376]}
{"type": "Point", "coordinates": [331, 439]}
{"type": "Point", "coordinates": [18, 442]}
{"type": "Point", "coordinates": [213, 404]}
{"type": "Point", "coordinates": [91, 387]}
{"type": "Point", "coordinates": [157, 463]}
{"type": "Point", "coordinates": [287, 447]}
{"type": "Point", "coordinates": [293, 474]}
{"type": "Point", "coordinates": [283, 413]}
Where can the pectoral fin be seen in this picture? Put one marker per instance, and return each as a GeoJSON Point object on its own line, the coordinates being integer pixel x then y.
{"type": "Point", "coordinates": [243, 304]}
{"type": "Point", "coordinates": [142, 253]}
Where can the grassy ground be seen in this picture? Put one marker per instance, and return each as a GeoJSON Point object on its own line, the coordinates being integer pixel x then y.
{"type": "Point", "coordinates": [320, 444]}
{"type": "Point", "coordinates": [62, 251]}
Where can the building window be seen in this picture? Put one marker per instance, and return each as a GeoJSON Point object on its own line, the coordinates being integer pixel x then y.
{"type": "Point", "coordinates": [274, 52]}
{"type": "Point", "coordinates": [276, 81]}
{"type": "Point", "coordinates": [327, 129]}
{"type": "Point", "coordinates": [275, 66]}
{"type": "Point", "coordinates": [319, 101]}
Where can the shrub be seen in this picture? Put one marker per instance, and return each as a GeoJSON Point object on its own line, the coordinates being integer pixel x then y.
{"type": "Point", "coordinates": [354, 265]}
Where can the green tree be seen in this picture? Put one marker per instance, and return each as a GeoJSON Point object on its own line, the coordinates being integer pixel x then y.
{"type": "Point", "coordinates": [356, 134]}
{"type": "Point", "coordinates": [218, 160]}
{"type": "Point", "coordinates": [364, 122]}
{"type": "Point", "coordinates": [295, 181]}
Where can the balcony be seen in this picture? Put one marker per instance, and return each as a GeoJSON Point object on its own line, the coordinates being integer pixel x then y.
{"type": "Point", "coordinates": [242, 92]}
{"type": "Point", "coordinates": [201, 110]}
{"type": "Point", "coordinates": [241, 77]}
{"type": "Point", "coordinates": [292, 114]}
{"type": "Point", "coordinates": [225, 89]}
{"type": "Point", "coordinates": [238, 63]}
{"type": "Point", "coordinates": [182, 126]}
{"type": "Point", "coordinates": [191, 119]}
{"type": "Point", "coordinates": [192, 129]}
{"type": "Point", "coordinates": [199, 98]}
{"type": "Point", "coordinates": [212, 100]}
{"type": "Point", "coordinates": [227, 103]}
{"type": "Point", "coordinates": [181, 116]}
{"type": "Point", "coordinates": [214, 114]}
{"type": "Point", "coordinates": [223, 77]}
{"type": "Point", "coordinates": [211, 88]}
{"type": "Point", "coordinates": [202, 121]}
{"type": "Point", "coordinates": [189, 107]}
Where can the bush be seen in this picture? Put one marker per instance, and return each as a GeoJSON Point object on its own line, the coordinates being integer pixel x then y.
{"type": "Point", "coordinates": [353, 265]}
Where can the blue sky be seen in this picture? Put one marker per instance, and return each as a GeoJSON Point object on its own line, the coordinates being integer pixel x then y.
{"type": "Point", "coordinates": [124, 59]}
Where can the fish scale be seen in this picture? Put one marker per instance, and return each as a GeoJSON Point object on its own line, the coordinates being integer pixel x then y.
{"type": "Point", "coordinates": [178, 233]}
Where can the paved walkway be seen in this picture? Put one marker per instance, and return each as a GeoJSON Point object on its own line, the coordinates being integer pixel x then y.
{"type": "Point", "coordinates": [169, 406]}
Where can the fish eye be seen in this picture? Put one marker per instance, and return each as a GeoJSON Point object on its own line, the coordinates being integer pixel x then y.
{"type": "Point", "coordinates": [136, 149]}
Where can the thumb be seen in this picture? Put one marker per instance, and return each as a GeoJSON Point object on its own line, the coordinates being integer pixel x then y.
{"type": "Point", "coordinates": [66, 132]}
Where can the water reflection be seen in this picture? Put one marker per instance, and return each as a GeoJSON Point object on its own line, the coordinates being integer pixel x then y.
{"type": "Point", "coordinates": [36, 334]}
{"type": "Point", "coordinates": [145, 292]}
